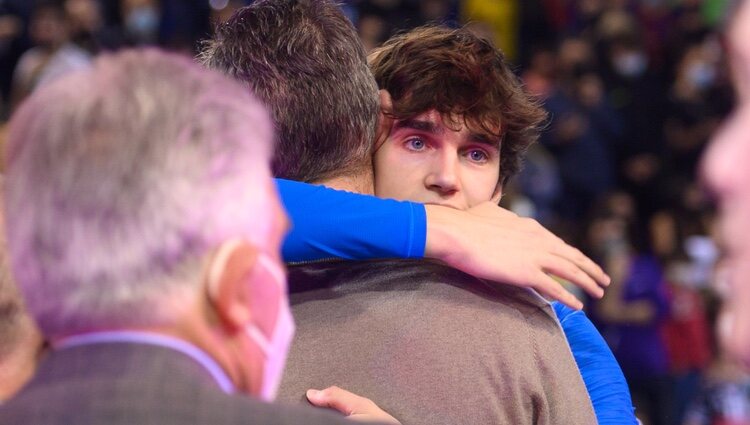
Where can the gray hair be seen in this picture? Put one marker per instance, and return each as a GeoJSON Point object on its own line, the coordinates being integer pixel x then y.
{"type": "Point", "coordinates": [120, 181]}
{"type": "Point", "coordinates": [305, 60]}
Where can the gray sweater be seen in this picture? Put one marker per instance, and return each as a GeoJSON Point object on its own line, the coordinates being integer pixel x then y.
{"type": "Point", "coordinates": [432, 345]}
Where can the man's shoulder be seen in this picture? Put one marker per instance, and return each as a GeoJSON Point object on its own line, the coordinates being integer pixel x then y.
{"type": "Point", "coordinates": [50, 406]}
{"type": "Point", "coordinates": [140, 385]}
{"type": "Point", "coordinates": [421, 279]}
{"type": "Point", "coordinates": [429, 332]}
{"type": "Point", "coordinates": [417, 298]}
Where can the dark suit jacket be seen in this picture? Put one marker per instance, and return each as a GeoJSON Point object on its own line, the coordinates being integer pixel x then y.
{"type": "Point", "coordinates": [125, 383]}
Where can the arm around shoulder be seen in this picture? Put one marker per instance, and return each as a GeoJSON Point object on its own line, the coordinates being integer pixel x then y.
{"type": "Point", "coordinates": [599, 369]}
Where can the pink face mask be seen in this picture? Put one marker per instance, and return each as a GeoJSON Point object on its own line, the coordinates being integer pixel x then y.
{"type": "Point", "coordinates": [275, 348]}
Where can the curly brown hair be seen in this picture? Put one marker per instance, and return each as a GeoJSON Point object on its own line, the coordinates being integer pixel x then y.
{"type": "Point", "coordinates": [465, 79]}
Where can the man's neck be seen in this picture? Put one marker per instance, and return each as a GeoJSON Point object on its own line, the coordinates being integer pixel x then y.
{"type": "Point", "coordinates": [201, 346]}
{"type": "Point", "coordinates": [361, 182]}
{"type": "Point", "coordinates": [18, 366]}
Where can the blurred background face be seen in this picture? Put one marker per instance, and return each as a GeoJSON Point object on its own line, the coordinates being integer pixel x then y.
{"type": "Point", "coordinates": [574, 54]}
{"type": "Point", "coordinates": [727, 172]}
{"type": "Point", "coordinates": [628, 61]}
{"type": "Point", "coordinates": [49, 27]}
{"type": "Point", "coordinates": [430, 161]}
{"type": "Point", "coordinates": [141, 18]}
{"type": "Point", "coordinates": [85, 15]}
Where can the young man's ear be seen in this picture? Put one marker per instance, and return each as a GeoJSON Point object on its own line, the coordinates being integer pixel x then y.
{"type": "Point", "coordinates": [385, 122]}
{"type": "Point", "coordinates": [227, 283]}
{"type": "Point", "coordinates": [498, 194]}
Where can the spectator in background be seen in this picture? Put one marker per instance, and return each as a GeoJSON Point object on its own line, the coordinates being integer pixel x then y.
{"type": "Point", "coordinates": [540, 75]}
{"type": "Point", "coordinates": [184, 23]}
{"type": "Point", "coordinates": [220, 15]}
{"type": "Point", "coordinates": [724, 396]}
{"type": "Point", "coordinates": [633, 309]}
{"type": "Point", "coordinates": [378, 20]}
{"type": "Point", "coordinates": [697, 102]}
{"type": "Point", "coordinates": [583, 131]}
{"type": "Point", "coordinates": [141, 20]}
{"type": "Point", "coordinates": [637, 95]}
{"type": "Point", "coordinates": [687, 337]}
{"type": "Point", "coordinates": [687, 26]}
{"type": "Point", "coordinates": [53, 54]}
{"type": "Point", "coordinates": [12, 44]}
{"type": "Point", "coordinates": [86, 24]}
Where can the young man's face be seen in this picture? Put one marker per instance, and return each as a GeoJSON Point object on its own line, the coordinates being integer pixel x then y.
{"type": "Point", "coordinates": [427, 160]}
{"type": "Point", "coordinates": [726, 170]}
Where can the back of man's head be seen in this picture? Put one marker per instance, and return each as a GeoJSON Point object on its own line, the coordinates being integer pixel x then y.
{"type": "Point", "coordinates": [463, 77]}
{"type": "Point", "coordinates": [305, 60]}
{"type": "Point", "coordinates": [121, 179]}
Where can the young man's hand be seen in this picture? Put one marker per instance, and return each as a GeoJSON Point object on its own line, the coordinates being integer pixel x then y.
{"type": "Point", "coordinates": [493, 243]}
{"type": "Point", "coordinates": [351, 405]}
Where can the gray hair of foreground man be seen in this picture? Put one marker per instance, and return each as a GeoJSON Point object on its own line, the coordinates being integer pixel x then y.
{"type": "Point", "coordinates": [305, 60]}
{"type": "Point", "coordinates": [120, 181]}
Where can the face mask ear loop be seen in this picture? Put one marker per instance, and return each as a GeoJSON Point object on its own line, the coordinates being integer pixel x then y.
{"type": "Point", "coordinates": [217, 265]}
{"type": "Point", "coordinates": [257, 336]}
{"type": "Point", "coordinates": [278, 273]}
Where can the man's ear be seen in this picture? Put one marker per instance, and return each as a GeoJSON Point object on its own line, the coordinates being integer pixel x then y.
{"type": "Point", "coordinates": [227, 285]}
{"type": "Point", "coordinates": [385, 122]}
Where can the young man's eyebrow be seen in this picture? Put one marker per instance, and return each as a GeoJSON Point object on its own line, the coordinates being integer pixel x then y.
{"type": "Point", "coordinates": [432, 128]}
{"type": "Point", "coordinates": [485, 140]}
{"type": "Point", "coordinates": [421, 125]}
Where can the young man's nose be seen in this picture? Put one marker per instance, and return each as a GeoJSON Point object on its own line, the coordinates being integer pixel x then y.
{"type": "Point", "coordinates": [444, 174]}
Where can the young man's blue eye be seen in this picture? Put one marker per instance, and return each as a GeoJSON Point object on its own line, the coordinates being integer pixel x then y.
{"type": "Point", "coordinates": [415, 144]}
{"type": "Point", "coordinates": [477, 156]}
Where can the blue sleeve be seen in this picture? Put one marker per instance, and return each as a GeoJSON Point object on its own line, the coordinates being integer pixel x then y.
{"type": "Point", "coordinates": [601, 373]}
{"type": "Point", "coordinates": [332, 223]}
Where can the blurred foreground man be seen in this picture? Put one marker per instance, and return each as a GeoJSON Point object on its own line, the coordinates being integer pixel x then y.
{"type": "Point", "coordinates": [725, 168]}
{"type": "Point", "coordinates": [144, 232]}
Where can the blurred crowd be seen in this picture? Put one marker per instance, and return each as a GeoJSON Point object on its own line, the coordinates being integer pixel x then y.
{"type": "Point", "coordinates": [634, 89]}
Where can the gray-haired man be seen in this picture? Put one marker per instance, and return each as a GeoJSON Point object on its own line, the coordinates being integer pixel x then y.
{"type": "Point", "coordinates": [143, 231]}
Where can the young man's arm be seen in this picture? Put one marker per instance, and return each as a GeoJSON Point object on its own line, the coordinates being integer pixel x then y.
{"type": "Point", "coordinates": [599, 369]}
{"type": "Point", "coordinates": [328, 223]}
{"type": "Point", "coordinates": [486, 241]}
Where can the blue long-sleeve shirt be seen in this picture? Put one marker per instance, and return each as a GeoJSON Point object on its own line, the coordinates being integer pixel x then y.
{"type": "Point", "coordinates": [599, 369]}
{"type": "Point", "coordinates": [329, 223]}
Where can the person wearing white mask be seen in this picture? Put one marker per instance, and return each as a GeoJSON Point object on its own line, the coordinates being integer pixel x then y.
{"type": "Point", "coordinates": [144, 232]}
